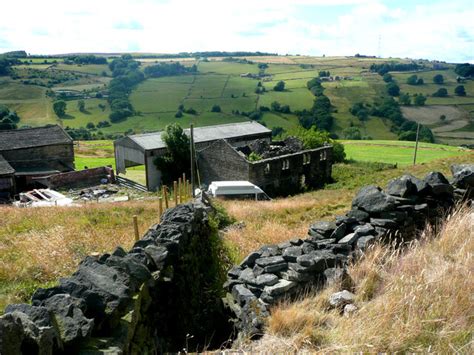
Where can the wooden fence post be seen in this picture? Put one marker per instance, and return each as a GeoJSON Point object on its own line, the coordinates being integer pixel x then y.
{"type": "Point", "coordinates": [135, 227]}
{"type": "Point", "coordinates": [175, 191]}
{"type": "Point", "coordinates": [160, 207]}
{"type": "Point", "coordinates": [180, 195]}
{"type": "Point", "coordinates": [165, 195]}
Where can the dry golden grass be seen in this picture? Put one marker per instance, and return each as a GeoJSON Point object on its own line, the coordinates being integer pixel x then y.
{"type": "Point", "coordinates": [418, 300]}
{"type": "Point", "coordinates": [271, 222]}
{"type": "Point", "coordinates": [39, 245]}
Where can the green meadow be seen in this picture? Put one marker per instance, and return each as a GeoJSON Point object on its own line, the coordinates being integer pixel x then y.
{"type": "Point", "coordinates": [221, 83]}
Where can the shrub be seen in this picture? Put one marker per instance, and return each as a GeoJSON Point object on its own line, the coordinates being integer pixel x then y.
{"type": "Point", "coordinates": [280, 86]}
{"type": "Point", "coordinates": [216, 108]}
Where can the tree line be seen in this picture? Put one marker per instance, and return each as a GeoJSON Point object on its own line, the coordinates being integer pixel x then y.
{"type": "Point", "coordinates": [394, 66]}
{"type": "Point", "coordinates": [85, 59]}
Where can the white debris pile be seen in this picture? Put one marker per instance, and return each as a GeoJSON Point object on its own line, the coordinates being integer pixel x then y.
{"type": "Point", "coordinates": [42, 198]}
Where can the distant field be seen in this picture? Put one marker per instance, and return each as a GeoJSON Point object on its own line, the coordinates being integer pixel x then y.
{"type": "Point", "coordinates": [218, 82]}
{"type": "Point", "coordinates": [398, 152]}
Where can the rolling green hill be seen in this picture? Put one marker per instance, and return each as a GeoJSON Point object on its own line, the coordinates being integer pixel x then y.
{"type": "Point", "coordinates": [230, 85]}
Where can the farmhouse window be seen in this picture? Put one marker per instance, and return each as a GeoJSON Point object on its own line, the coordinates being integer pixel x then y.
{"type": "Point", "coordinates": [285, 165]}
{"type": "Point", "coordinates": [267, 169]}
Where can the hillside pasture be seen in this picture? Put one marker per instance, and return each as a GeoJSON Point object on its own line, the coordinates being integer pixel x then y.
{"type": "Point", "coordinates": [92, 113]}
{"type": "Point", "coordinates": [297, 99]}
{"type": "Point", "coordinates": [208, 86]}
{"type": "Point", "coordinates": [399, 152]}
{"type": "Point", "coordinates": [226, 104]}
{"type": "Point", "coordinates": [229, 68]}
{"type": "Point", "coordinates": [33, 112]}
{"type": "Point", "coordinates": [10, 90]}
{"type": "Point", "coordinates": [91, 69]}
{"type": "Point", "coordinates": [287, 122]}
{"type": "Point", "coordinates": [237, 86]}
{"type": "Point", "coordinates": [157, 95]}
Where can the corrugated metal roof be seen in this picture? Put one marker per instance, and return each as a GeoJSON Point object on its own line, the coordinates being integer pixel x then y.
{"type": "Point", "coordinates": [151, 141]}
{"type": "Point", "coordinates": [33, 137]}
{"type": "Point", "coordinates": [5, 168]}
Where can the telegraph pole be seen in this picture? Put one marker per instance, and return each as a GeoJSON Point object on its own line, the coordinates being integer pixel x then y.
{"type": "Point", "coordinates": [191, 150]}
{"type": "Point", "coordinates": [416, 144]}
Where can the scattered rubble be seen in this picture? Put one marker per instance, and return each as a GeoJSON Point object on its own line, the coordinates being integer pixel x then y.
{"type": "Point", "coordinates": [265, 150]}
{"type": "Point", "coordinates": [42, 198]}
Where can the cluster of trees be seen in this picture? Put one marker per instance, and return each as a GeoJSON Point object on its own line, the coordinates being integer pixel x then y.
{"type": "Point", "coordinates": [85, 59]}
{"type": "Point", "coordinates": [126, 75]}
{"type": "Point", "coordinates": [16, 54]}
{"type": "Point", "coordinates": [406, 130]}
{"type": "Point", "coordinates": [237, 60]}
{"type": "Point", "coordinates": [406, 100]}
{"type": "Point", "coordinates": [353, 133]}
{"type": "Point", "coordinates": [260, 88]}
{"type": "Point", "coordinates": [85, 134]}
{"type": "Point", "coordinates": [314, 85]}
{"type": "Point", "coordinates": [443, 92]}
{"type": "Point", "coordinates": [320, 114]}
{"type": "Point", "coordinates": [415, 80]}
{"type": "Point", "coordinates": [324, 73]}
{"type": "Point", "coordinates": [5, 63]}
{"type": "Point", "coordinates": [167, 69]}
{"type": "Point", "coordinates": [361, 111]}
{"type": "Point", "coordinates": [182, 110]}
{"type": "Point", "coordinates": [277, 107]}
{"type": "Point", "coordinates": [438, 79]}
{"type": "Point", "coordinates": [59, 108]}
{"type": "Point", "coordinates": [280, 86]}
{"type": "Point", "coordinates": [8, 119]}
{"type": "Point", "coordinates": [176, 160]}
{"type": "Point", "coordinates": [394, 66]}
{"type": "Point", "coordinates": [460, 90]}
{"type": "Point", "coordinates": [464, 70]}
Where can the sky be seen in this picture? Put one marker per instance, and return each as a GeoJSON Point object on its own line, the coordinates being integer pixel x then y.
{"type": "Point", "coordinates": [429, 29]}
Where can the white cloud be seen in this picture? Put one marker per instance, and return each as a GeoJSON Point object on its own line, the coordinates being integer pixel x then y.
{"type": "Point", "coordinates": [438, 31]}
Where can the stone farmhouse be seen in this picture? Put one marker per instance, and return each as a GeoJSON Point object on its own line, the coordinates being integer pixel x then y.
{"type": "Point", "coordinates": [29, 154]}
{"type": "Point", "coordinates": [224, 153]}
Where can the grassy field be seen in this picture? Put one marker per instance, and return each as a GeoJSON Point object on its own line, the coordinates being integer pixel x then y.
{"type": "Point", "coordinates": [399, 152]}
{"type": "Point", "coordinates": [37, 246]}
{"type": "Point", "coordinates": [219, 83]}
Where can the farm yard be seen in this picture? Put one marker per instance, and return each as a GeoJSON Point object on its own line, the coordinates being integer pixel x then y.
{"type": "Point", "coordinates": [232, 86]}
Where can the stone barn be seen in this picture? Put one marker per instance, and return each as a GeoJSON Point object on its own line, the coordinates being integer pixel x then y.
{"type": "Point", "coordinates": [281, 168]}
{"type": "Point", "coordinates": [29, 154]}
{"type": "Point", "coordinates": [142, 149]}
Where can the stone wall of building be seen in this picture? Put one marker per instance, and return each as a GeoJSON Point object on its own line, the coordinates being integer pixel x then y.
{"type": "Point", "coordinates": [282, 175]}
{"type": "Point", "coordinates": [80, 178]}
{"type": "Point", "coordinates": [220, 161]}
{"type": "Point", "coordinates": [291, 173]}
{"type": "Point", "coordinates": [59, 157]}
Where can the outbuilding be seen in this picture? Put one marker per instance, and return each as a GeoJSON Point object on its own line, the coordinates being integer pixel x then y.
{"type": "Point", "coordinates": [32, 153]}
{"type": "Point", "coordinates": [142, 149]}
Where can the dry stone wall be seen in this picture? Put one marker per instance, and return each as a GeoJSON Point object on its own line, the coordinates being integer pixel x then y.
{"type": "Point", "coordinates": [276, 272]}
{"type": "Point", "coordinates": [145, 301]}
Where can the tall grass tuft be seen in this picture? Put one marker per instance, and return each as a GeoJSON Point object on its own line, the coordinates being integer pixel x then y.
{"type": "Point", "coordinates": [415, 300]}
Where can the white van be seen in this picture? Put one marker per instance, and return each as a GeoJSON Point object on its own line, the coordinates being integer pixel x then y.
{"type": "Point", "coordinates": [236, 189]}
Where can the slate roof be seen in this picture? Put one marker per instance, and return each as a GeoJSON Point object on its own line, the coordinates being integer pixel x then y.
{"type": "Point", "coordinates": [33, 137]}
{"type": "Point", "coordinates": [5, 168]}
{"type": "Point", "coordinates": [152, 141]}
